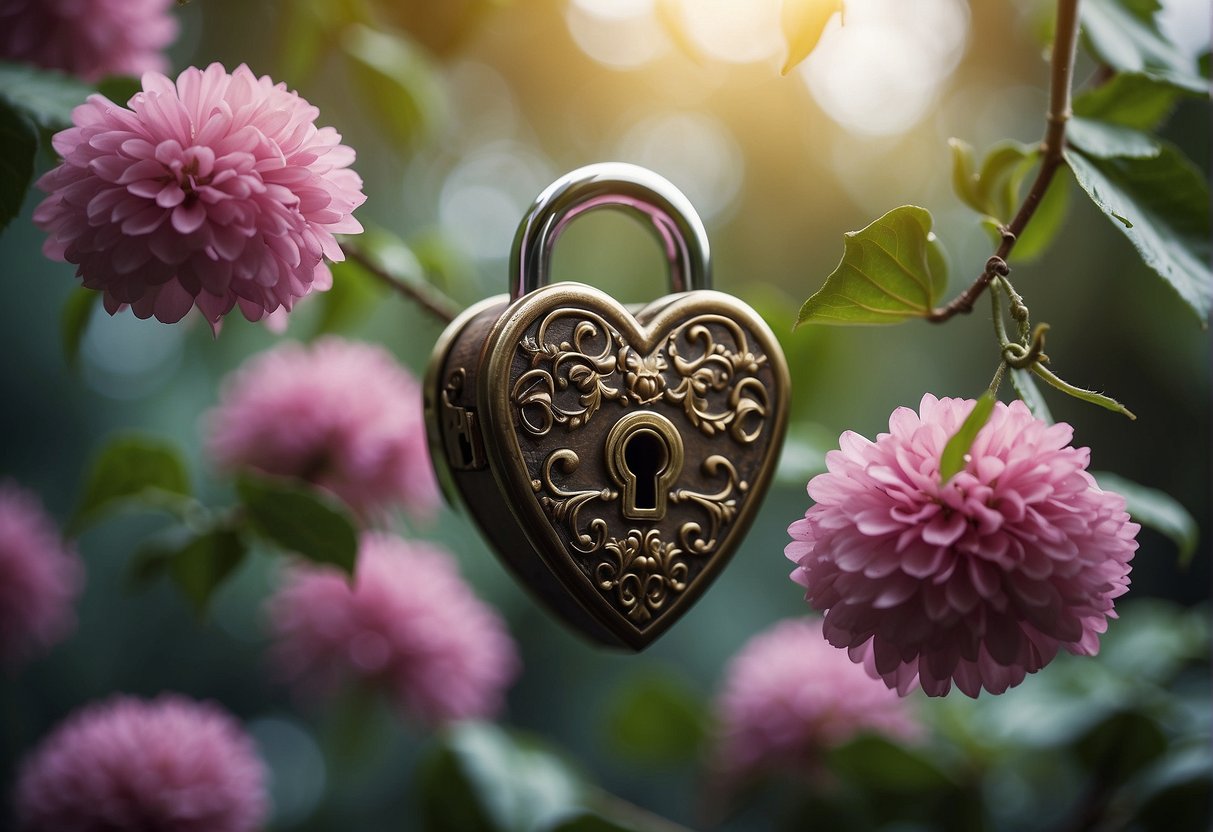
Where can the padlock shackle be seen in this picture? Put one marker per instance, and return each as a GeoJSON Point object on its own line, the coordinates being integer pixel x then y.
{"type": "Point", "coordinates": [638, 191]}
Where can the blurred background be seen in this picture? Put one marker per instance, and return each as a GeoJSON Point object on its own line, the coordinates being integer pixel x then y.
{"type": "Point", "coordinates": [461, 112]}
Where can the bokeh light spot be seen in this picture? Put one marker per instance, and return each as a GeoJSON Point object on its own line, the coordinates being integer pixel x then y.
{"type": "Point", "coordinates": [694, 151]}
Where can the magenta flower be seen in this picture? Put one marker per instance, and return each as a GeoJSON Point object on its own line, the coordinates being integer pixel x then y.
{"type": "Point", "coordinates": [88, 38]}
{"type": "Point", "coordinates": [788, 696]}
{"type": "Point", "coordinates": [977, 581]}
{"type": "Point", "coordinates": [40, 576]}
{"type": "Point", "coordinates": [168, 765]}
{"type": "Point", "coordinates": [408, 625]}
{"type": "Point", "coordinates": [340, 414]}
{"type": "Point", "coordinates": [214, 192]}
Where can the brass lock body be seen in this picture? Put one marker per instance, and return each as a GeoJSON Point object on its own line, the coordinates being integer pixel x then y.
{"type": "Point", "coordinates": [613, 456]}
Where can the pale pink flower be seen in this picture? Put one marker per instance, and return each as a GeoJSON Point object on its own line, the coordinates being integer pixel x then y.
{"type": "Point", "coordinates": [40, 576]}
{"type": "Point", "coordinates": [788, 696]}
{"type": "Point", "coordinates": [977, 581]}
{"type": "Point", "coordinates": [88, 38]}
{"type": "Point", "coordinates": [407, 625]}
{"type": "Point", "coordinates": [340, 414]}
{"type": "Point", "coordinates": [168, 765]}
{"type": "Point", "coordinates": [217, 191]}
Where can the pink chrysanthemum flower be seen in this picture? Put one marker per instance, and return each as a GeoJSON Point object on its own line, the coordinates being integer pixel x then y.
{"type": "Point", "coordinates": [340, 414]}
{"type": "Point", "coordinates": [217, 191]}
{"type": "Point", "coordinates": [88, 38]}
{"type": "Point", "coordinates": [408, 625]}
{"type": "Point", "coordinates": [40, 576]}
{"type": "Point", "coordinates": [788, 696]}
{"type": "Point", "coordinates": [977, 581]}
{"type": "Point", "coordinates": [168, 765]}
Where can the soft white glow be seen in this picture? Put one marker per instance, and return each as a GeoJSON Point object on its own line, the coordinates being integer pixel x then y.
{"type": "Point", "coordinates": [486, 108]}
{"type": "Point", "coordinates": [738, 31]}
{"type": "Point", "coordinates": [614, 9]}
{"type": "Point", "coordinates": [487, 193]}
{"type": "Point", "coordinates": [622, 35]}
{"type": "Point", "coordinates": [1188, 23]}
{"type": "Point", "coordinates": [694, 151]}
{"type": "Point", "coordinates": [878, 74]}
{"type": "Point", "coordinates": [127, 358]}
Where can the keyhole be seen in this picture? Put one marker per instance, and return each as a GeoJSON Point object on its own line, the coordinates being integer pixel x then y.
{"type": "Point", "coordinates": [645, 456]}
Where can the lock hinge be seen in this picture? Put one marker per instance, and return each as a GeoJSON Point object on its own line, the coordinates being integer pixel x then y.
{"type": "Point", "coordinates": [460, 429]}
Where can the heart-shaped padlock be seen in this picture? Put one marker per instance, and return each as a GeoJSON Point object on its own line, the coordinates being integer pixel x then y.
{"type": "Point", "coordinates": [613, 456]}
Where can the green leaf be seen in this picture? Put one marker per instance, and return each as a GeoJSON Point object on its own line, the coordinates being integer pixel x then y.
{"type": "Point", "coordinates": [1002, 172]}
{"type": "Point", "coordinates": [992, 190]}
{"type": "Point", "coordinates": [46, 97]}
{"type": "Point", "coordinates": [133, 469]}
{"type": "Point", "coordinates": [120, 88]}
{"type": "Point", "coordinates": [891, 271]}
{"type": "Point", "coordinates": [1156, 510]}
{"type": "Point", "coordinates": [306, 30]}
{"type": "Point", "coordinates": [199, 567]}
{"type": "Point", "coordinates": [1130, 99]}
{"type": "Point", "coordinates": [1121, 745]}
{"type": "Point", "coordinates": [1124, 34]}
{"type": "Point", "coordinates": [442, 261]}
{"type": "Point", "coordinates": [1090, 396]}
{"type": "Point", "coordinates": [300, 519]}
{"type": "Point", "coordinates": [593, 822]}
{"type": "Point", "coordinates": [398, 84]}
{"type": "Point", "coordinates": [1029, 393]}
{"type": "Point", "coordinates": [353, 295]}
{"type": "Point", "coordinates": [1162, 205]}
{"type": "Point", "coordinates": [964, 173]}
{"type": "Point", "coordinates": [1110, 141]}
{"type": "Point", "coordinates": [876, 764]}
{"type": "Point", "coordinates": [1050, 216]}
{"type": "Point", "coordinates": [803, 22]}
{"type": "Point", "coordinates": [74, 320]}
{"type": "Point", "coordinates": [484, 778]}
{"type": "Point", "coordinates": [952, 460]}
{"type": "Point", "coordinates": [1174, 793]}
{"type": "Point", "coordinates": [18, 147]}
{"type": "Point", "coordinates": [656, 718]}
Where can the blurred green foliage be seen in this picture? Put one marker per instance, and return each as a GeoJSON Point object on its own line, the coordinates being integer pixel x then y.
{"type": "Point", "coordinates": [460, 114]}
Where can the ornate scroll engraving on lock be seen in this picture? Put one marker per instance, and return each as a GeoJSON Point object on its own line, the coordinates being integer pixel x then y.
{"type": "Point", "coordinates": [614, 456]}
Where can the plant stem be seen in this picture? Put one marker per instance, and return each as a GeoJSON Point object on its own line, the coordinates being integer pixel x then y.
{"type": "Point", "coordinates": [1065, 43]}
{"type": "Point", "coordinates": [425, 295]}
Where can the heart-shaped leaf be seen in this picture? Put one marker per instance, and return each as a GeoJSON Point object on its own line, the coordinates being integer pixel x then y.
{"type": "Point", "coordinates": [891, 271]}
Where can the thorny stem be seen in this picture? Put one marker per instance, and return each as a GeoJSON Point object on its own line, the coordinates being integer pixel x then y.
{"type": "Point", "coordinates": [425, 295]}
{"type": "Point", "coordinates": [1052, 145]}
